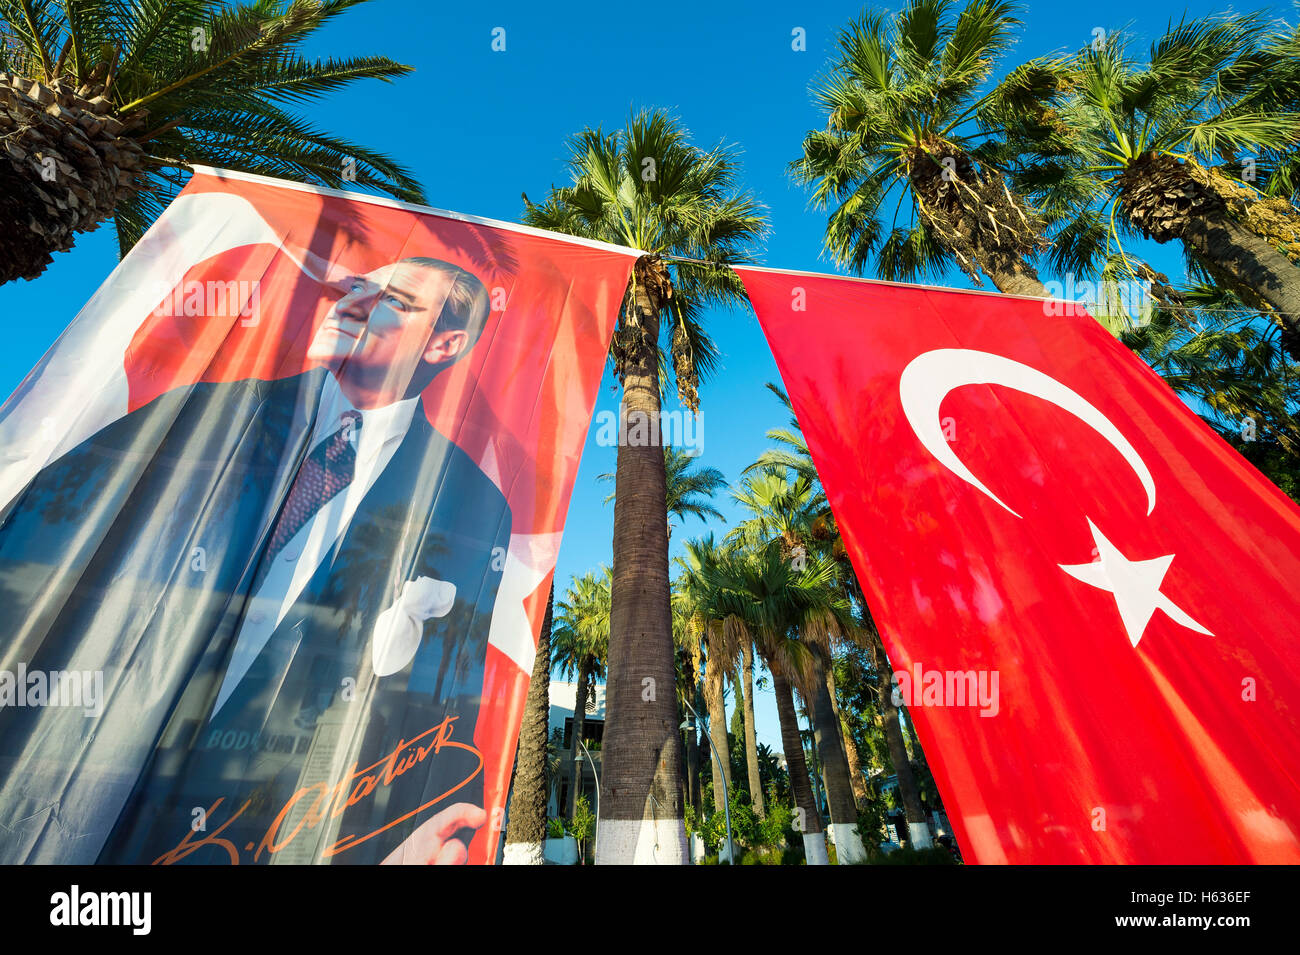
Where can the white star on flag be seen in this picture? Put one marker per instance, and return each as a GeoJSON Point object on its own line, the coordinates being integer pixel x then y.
{"type": "Point", "coordinates": [1135, 585]}
{"type": "Point", "coordinates": [530, 558]}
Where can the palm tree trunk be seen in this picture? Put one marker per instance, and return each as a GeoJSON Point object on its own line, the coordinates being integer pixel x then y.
{"type": "Point", "coordinates": [579, 718]}
{"type": "Point", "coordinates": [1018, 280]}
{"type": "Point", "coordinates": [751, 738]}
{"type": "Point", "coordinates": [814, 840]}
{"type": "Point", "coordinates": [1253, 266]}
{"type": "Point", "coordinates": [714, 700]}
{"type": "Point", "coordinates": [1169, 198]}
{"type": "Point", "coordinates": [839, 791]}
{"type": "Point", "coordinates": [693, 769]}
{"type": "Point", "coordinates": [856, 779]}
{"type": "Point", "coordinates": [44, 214]}
{"type": "Point", "coordinates": [814, 761]}
{"type": "Point", "coordinates": [526, 823]}
{"type": "Point", "coordinates": [693, 755]}
{"type": "Point", "coordinates": [918, 828]}
{"type": "Point", "coordinates": [913, 741]}
{"type": "Point", "coordinates": [640, 800]}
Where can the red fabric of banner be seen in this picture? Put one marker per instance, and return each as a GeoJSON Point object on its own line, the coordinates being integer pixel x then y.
{"type": "Point", "coordinates": [1028, 505]}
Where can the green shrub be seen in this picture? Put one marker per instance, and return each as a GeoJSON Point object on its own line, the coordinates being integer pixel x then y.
{"type": "Point", "coordinates": [935, 855]}
{"type": "Point", "coordinates": [778, 827]}
{"type": "Point", "coordinates": [555, 828]}
{"type": "Point", "coordinates": [788, 856]}
{"type": "Point", "coordinates": [584, 824]}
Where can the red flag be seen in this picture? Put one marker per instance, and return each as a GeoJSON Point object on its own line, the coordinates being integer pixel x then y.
{"type": "Point", "coordinates": [1087, 596]}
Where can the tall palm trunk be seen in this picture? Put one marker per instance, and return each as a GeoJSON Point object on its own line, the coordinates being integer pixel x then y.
{"type": "Point", "coordinates": [856, 779]}
{"type": "Point", "coordinates": [693, 770]}
{"type": "Point", "coordinates": [54, 120]}
{"type": "Point", "coordinates": [839, 791]}
{"type": "Point", "coordinates": [977, 218]}
{"type": "Point", "coordinates": [1018, 280]}
{"type": "Point", "coordinates": [918, 828]}
{"type": "Point", "coordinates": [1252, 264]}
{"type": "Point", "coordinates": [526, 825]}
{"type": "Point", "coordinates": [1170, 199]}
{"type": "Point", "coordinates": [696, 751]}
{"type": "Point", "coordinates": [640, 798]}
{"type": "Point", "coordinates": [579, 720]}
{"type": "Point", "coordinates": [913, 741]}
{"type": "Point", "coordinates": [815, 764]}
{"type": "Point", "coordinates": [693, 756]}
{"type": "Point", "coordinates": [814, 840]}
{"type": "Point", "coordinates": [751, 738]}
{"type": "Point", "coordinates": [714, 699]}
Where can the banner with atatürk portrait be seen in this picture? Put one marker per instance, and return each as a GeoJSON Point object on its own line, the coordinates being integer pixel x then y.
{"type": "Point", "coordinates": [278, 514]}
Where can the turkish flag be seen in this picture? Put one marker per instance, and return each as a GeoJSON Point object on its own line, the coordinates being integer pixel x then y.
{"type": "Point", "coordinates": [1088, 597]}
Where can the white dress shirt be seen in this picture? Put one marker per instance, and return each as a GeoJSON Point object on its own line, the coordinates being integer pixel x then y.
{"type": "Point", "coordinates": [382, 429]}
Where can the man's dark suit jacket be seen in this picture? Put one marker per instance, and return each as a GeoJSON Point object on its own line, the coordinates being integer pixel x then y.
{"type": "Point", "coordinates": [135, 554]}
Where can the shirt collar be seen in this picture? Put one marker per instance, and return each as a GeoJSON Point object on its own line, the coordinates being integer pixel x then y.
{"type": "Point", "coordinates": [379, 426]}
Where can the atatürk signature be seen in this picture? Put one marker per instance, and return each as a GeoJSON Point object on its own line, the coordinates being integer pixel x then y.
{"type": "Point", "coordinates": [331, 799]}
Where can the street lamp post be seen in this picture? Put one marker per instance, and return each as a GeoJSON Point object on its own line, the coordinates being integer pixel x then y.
{"type": "Point", "coordinates": [595, 836]}
{"type": "Point", "coordinates": [726, 796]}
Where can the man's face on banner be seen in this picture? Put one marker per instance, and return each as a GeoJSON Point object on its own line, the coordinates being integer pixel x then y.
{"type": "Point", "coordinates": [385, 325]}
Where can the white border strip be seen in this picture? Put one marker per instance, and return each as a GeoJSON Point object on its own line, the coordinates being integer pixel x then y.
{"type": "Point", "coordinates": [412, 207]}
{"type": "Point", "coordinates": [929, 288]}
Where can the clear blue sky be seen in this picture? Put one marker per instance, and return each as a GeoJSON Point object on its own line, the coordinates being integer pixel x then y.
{"type": "Point", "coordinates": [479, 127]}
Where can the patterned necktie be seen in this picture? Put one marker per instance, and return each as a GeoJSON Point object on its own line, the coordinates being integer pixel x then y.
{"type": "Point", "coordinates": [327, 470]}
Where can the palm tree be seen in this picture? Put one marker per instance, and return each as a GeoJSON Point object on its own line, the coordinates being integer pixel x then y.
{"type": "Point", "coordinates": [814, 513]}
{"type": "Point", "coordinates": [776, 778]}
{"type": "Point", "coordinates": [761, 595]}
{"type": "Point", "coordinates": [526, 824]}
{"type": "Point", "coordinates": [751, 733]}
{"type": "Point", "coordinates": [1219, 353]}
{"type": "Point", "coordinates": [690, 658]}
{"type": "Point", "coordinates": [857, 779]}
{"type": "Point", "coordinates": [1156, 148]}
{"type": "Point", "coordinates": [103, 105]}
{"type": "Point", "coordinates": [785, 510]}
{"type": "Point", "coordinates": [1283, 165]}
{"type": "Point", "coordinates": [780, 509]}
{"type": "Point", "coordinates": [689, 487]}
{"type": "Point", "coordinates": [908, 790]}
{"type": "Point", "coordinates": [580, 647]}
{"type": "Point", "coordinates": [719, 644]}
{"type": "Point", "coordinates": [901, 103]}
{"type": "Point", "coordinates": [647, 187]}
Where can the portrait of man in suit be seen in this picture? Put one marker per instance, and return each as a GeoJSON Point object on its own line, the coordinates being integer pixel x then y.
{"type": "Point", "coordinates": [289, 585]}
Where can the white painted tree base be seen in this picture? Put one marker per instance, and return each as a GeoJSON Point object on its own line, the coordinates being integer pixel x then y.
{"type": "Point", "coordinates": [698, 850]}
{"type": "Point", "coordinates": [848, 844]}
{"type": "Point", "coordinates": [523, 853]}
{"type": "Point", "coordinates": [642, 842]}
{"type": "Point", "coordinates": [920, 833]}
{"type": "Point", "coordinates": [814, 848]}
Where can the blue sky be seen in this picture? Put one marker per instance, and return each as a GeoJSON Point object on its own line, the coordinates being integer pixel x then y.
{"type": "Point", "coordinates": [479, 127]}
